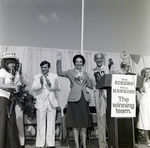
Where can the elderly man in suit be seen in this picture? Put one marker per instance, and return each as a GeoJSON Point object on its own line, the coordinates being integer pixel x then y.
{"type": "Point", "coordinates": [100, 98]}
{"type": "Point", "coordinates": [45, 86]}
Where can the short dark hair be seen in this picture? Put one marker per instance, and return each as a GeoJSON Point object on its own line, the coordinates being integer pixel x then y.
{"type": "Point", "coordinates": [78, 56]}
{"type": "Point", "coordinates": [45, 62]}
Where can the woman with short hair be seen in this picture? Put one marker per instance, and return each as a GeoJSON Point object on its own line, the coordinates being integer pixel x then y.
{"type": "Point", "coordinates": [78, 112]}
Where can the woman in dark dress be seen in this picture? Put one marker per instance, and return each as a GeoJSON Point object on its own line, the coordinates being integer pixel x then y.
{"type": "Point", "coordinates": [78, 112]}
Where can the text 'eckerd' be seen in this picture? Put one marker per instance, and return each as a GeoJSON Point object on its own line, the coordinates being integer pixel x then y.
{"type": "Point", "coordinates": [123, 83]}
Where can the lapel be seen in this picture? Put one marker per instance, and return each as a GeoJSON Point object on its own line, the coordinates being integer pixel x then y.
{"type": "Point", "coordinates": [77, 80]}
{"type": "Point", "coordinates": [84, 78]}
{"type": "Point", "coordinates": [50, 76]}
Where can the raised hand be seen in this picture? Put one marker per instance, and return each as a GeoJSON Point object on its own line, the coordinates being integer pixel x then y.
{"type": "Point", "coordinates": [59, 56]}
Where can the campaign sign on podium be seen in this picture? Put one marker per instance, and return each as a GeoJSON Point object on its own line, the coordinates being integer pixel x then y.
{"type": "Point", "coordinates": [121, 97]}
{"type": "Point", "coordinates": [123, 103]}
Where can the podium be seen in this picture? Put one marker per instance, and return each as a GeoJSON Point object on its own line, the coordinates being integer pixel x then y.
{"type": "Point", "coordinates": [120, 130]}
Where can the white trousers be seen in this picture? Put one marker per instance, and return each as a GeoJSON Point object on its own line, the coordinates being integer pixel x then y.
{"type": "Point", "coordinates": [20, 124]}
{"type": "Point", "coordinates": [46, 126]}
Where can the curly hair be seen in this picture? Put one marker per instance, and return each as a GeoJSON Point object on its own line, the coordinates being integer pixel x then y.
{"type": "Point", "coordinates": [6, 61]}
{"type": "Point", "coordinates": [143, 71]}
{"type": "Point", "coordinates": [79, 56]}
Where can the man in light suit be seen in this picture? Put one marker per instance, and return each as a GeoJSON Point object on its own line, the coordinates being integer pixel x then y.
{"type": "Point", "coordinates": [45, 86]}
{"type": "Point", "coordinates": [100, 98]}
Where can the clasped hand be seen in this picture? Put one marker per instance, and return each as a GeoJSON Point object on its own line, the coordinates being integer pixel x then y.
{"type": "Point", "coordinates": [48, 82]}
{"type": "Point", "coordinates": [41, 80]}
{"type": "Point", "coordinates": [46, 79]}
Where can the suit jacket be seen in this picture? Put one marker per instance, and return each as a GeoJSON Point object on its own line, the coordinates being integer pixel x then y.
{"type": "Point", "coordinates": [99, 95]}
{"type": "Point", "coordinates": [46, 92]}
{"type": "Point", "coordinates": [98, 73]}
{"type": "Point", "coordinates": [76, 85]}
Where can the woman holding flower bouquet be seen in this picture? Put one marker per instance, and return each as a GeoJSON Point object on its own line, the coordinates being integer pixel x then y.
{"type": "Point", "coordinates": [78, 112]}
{"type": "Point", "coordinates": [8, 128]}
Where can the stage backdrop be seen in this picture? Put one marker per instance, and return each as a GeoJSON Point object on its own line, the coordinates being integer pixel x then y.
{"type": "Point", "coordinates": [31, 57]}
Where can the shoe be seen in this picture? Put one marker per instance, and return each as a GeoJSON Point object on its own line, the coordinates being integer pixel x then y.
{"type": "Point", "coordinates": [148, 144]}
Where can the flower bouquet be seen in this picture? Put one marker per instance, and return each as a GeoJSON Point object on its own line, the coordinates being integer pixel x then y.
{"type": "Point", "coordinates": [25, 100]}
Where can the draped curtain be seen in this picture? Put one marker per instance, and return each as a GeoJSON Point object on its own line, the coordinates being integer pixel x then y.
{"type": "Point", "coordinates": [31, 57]}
